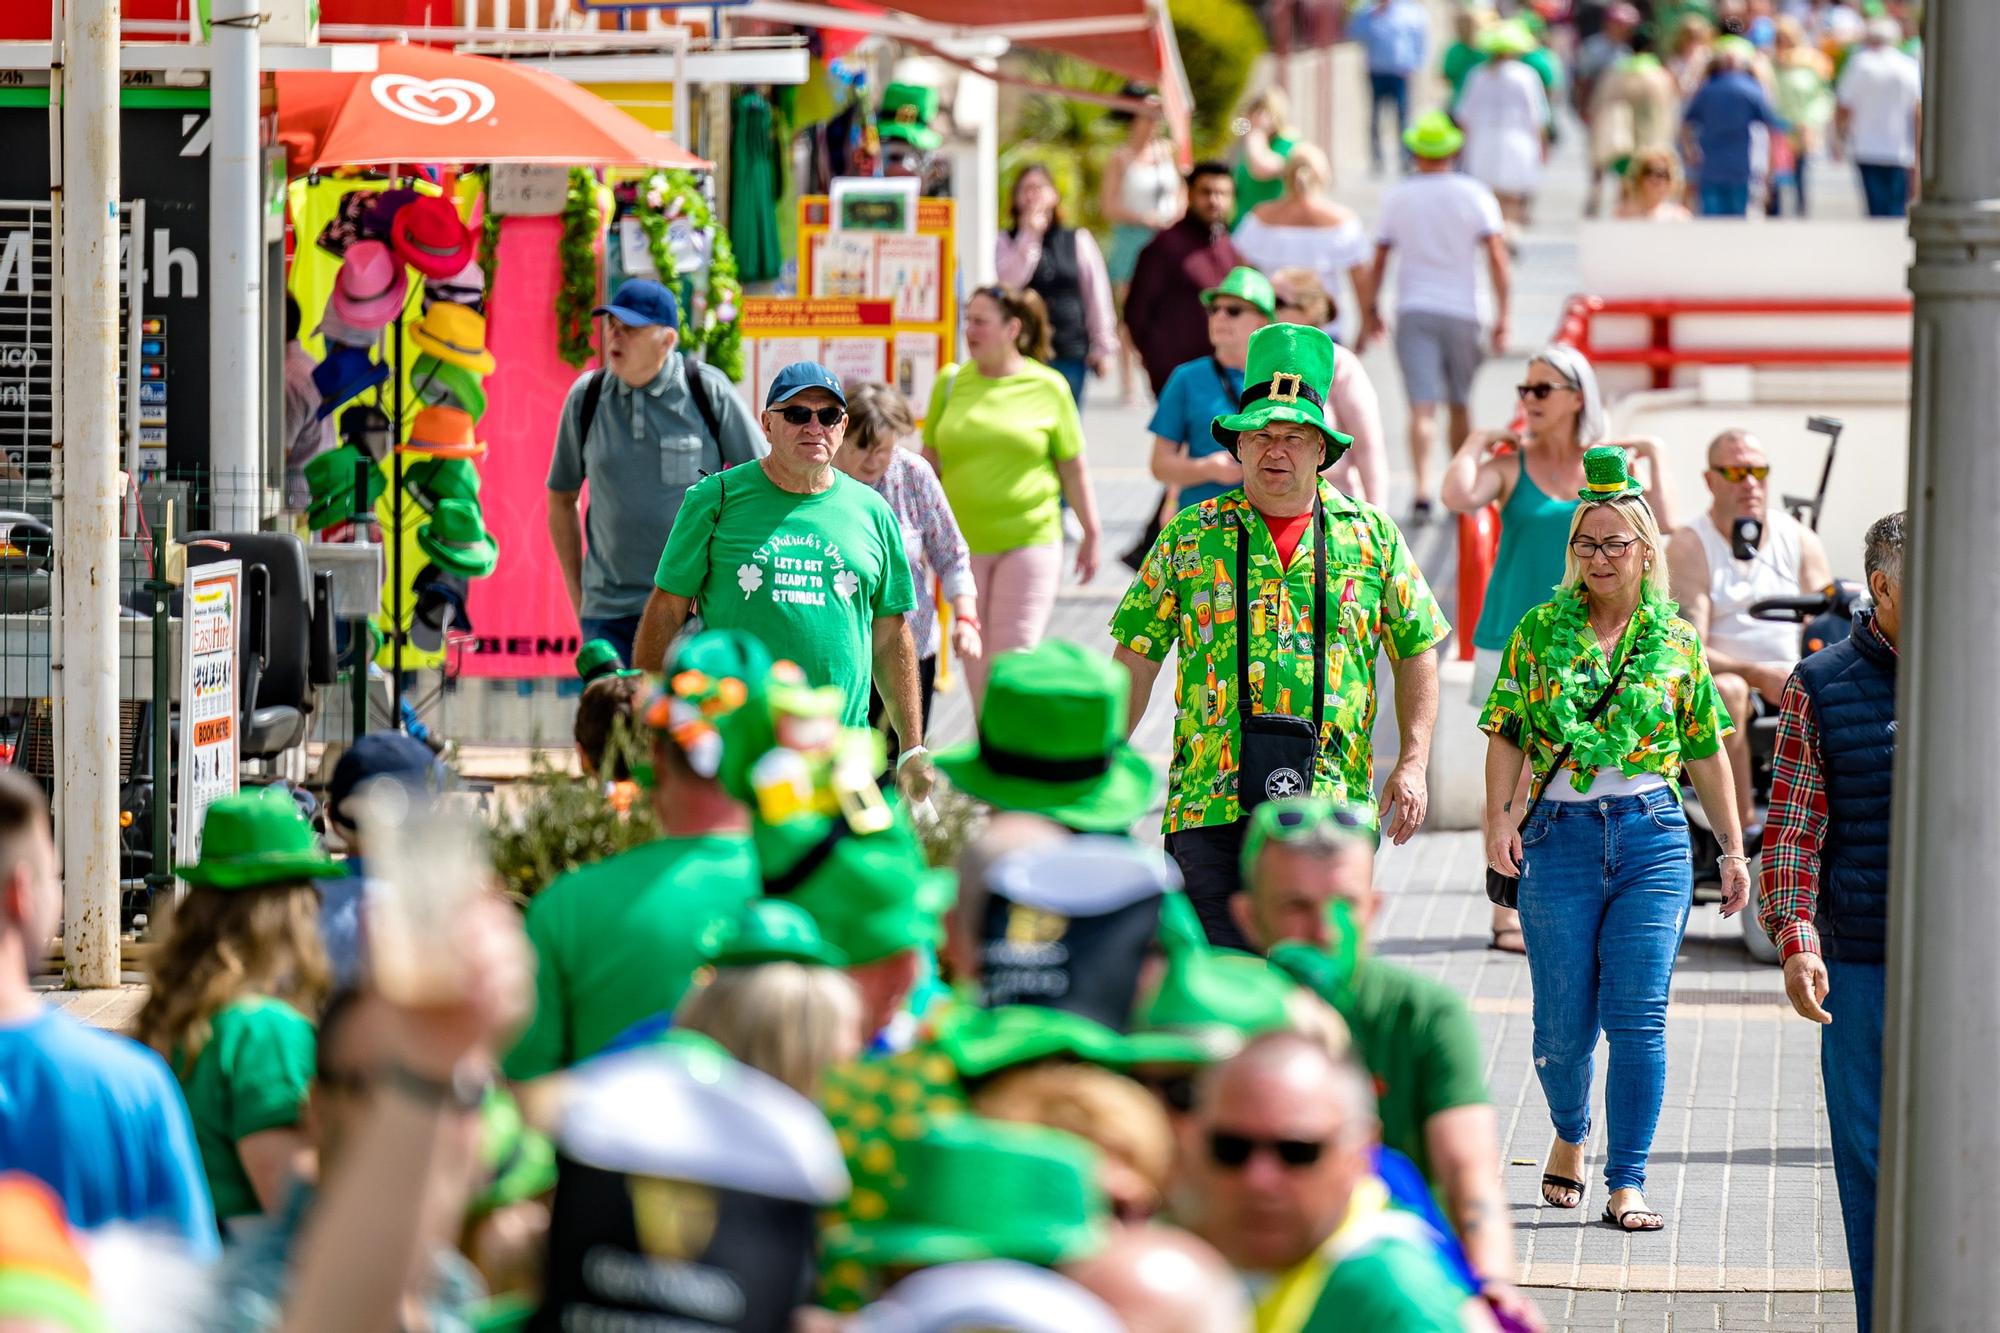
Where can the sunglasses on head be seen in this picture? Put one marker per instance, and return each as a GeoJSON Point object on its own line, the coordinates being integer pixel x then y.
{"type": "Point", "coordinates": [1236, 1150]}
{"type": "Point", "coordinates": [1296, 821]}
{"type": "Point", "coordinates": [1230, 309]}
{"type": "Point", "coordinates": [799, 415]}
{"type": "Point", "coordinates": [1738, 474]}
{"type": "Point", "coordinates": [1538, 392]}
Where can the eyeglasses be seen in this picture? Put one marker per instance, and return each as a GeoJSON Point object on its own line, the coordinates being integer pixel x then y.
{"type": "Point", "coordinates": [1587, 549]}
{"type": "Point", "coordinates": [1736, 475]}
{"type": "Point", "coordinates": [828, 416]}
{"type": "Point", "coordinates": [1286, 303]}
{"type": "Point", "coordinates": [1230, 309]}
{"type": "Point", "coordinates": [1538, 392]}
{"type": "Point", "coordinates": [1235, 1150]}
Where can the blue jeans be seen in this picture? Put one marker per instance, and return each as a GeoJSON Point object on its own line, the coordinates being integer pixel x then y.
{"type": "Point", "coordinates": [1604, 901]}
{"type": "Point", "coordinates": [1725, 201]}
{"type": "Point", "coordinates": [1850, 1060]}
{"type": "Point", "coordinates": [618, 631]}
{"type": "Point", "coordinates": [1387, 90]}
{"type": "Point", "coordinates": [1072, 368]}
{"type": "Point", "coordinates": [1886, 188]}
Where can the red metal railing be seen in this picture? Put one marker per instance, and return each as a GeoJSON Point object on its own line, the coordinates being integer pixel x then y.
{"type": "Point", "coordinates": [1662, 354]}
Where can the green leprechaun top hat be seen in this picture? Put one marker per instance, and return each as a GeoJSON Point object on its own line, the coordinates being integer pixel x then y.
{"type": "Point", "coordinates": [907, 112]}
{"type": "Point", "coordinates": [1607, 474]}
{"type": "Point", "coordinates": [1246, 285]}
{"type": "Point", "coordinates": [457, 541]}
{"type": "Point", "coordinates": [257, 838]}
{"type": "Point", "coordinates": [1287, 377]}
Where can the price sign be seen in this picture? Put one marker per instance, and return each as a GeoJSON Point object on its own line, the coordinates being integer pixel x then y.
{"type": "Point", "coordinates": [210, 625]}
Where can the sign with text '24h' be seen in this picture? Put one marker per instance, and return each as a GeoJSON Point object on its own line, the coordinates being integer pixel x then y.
{"type": "Point", "coordinates": [210, 625]}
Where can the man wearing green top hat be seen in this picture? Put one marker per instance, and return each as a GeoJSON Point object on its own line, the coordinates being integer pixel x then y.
{"type": "Point", "coordinates": [904, 127]}
{"type": "Point", "coordinates": [1279, 596]}
{"type": "Point", "coordinates": [1184, 453]}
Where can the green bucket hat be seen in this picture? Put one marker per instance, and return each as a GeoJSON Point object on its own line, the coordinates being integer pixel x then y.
{"type": "Point", "coordinates": [599, 659]}
{"type": "Point", "coordinates": [770, 930]}
{"type": "Point", "coordinates": [1433, 136]}
{"type": "Point", "coordinates": [331, 478]}
{"type": "Point", "coordinates": [1510, 37]}
{"type": "Point", "coordinates": [907, 112]}
{"type": "Point", "coordinates": [871, 895]}
{"type": "Point", "coordinates": [1227, 997]}
{"type": "Point", "coordinates": [461, 388]}
{"type": "Point", "coordinates": [1607, 474]}
{"type": "Point", "coordinates": [457, 541]}
{"type": "Point", "coordinates": [1287, 377]}
{"type": "Point", "coordinates": [982, 1189]}
{"type": "Point", "coordinates": [429, 480]}
{"type": "Point", "coordinates": [1052, 741]}
{"type": "Point", "coordinates": [1247, 285]}
{"type": "Point", "coordinates": [255, 838]}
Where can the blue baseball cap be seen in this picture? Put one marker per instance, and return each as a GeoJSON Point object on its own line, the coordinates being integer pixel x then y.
{"type": "Point", "coordinates": [641, 301]}
{"type": "Point", "coordinates": [799, 376]}
{"type": "Point", "coordinates": [381, 754]}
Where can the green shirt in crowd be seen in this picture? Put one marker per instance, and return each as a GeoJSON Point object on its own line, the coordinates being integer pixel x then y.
{"type": "Point", "coordinates": [807, 574]}
{"type": "Point", "coordinates": [619, 940]}
{"type": "Point", "coordinates": [1251, 191]}
{"type": "Point", "coordinates": [997, 444]}
{"type": "Point", "coordinates": [252, 1075]}
{"type": "Point", "coordinates": [1394, 1286]}
{"type": "Point", "coordinates": [1415, 1036]}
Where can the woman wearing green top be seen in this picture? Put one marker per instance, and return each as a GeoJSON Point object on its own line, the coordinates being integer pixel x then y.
{"type": "Point", "coordinates": [1264, 140]}
{"type": "Point", "coordinates": [237, 982]}
{"type": "Point", "coordinates": [1003, 433]}
{"type": "Point", "coordinates": [1606, 692]}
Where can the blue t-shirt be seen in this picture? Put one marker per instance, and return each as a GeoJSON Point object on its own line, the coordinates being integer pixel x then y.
{"type": "Point", "coordinates": [340, 902]}
{"type": "Point", "coordinates": [100, 1120]}
{"type": "Point", "coordinates": [1193, 396]}
{"type": "Point", "coordinates": [1721, 114]}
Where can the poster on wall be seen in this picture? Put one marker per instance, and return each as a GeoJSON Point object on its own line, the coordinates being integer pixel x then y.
{"type": "Point", "coordinates": [208, 739]}
{"type": "Point", "coordinates": [913, 367]}
{"type": "Point", "coordinates": [875, 203]}
{"type": "Point", "coordinates": [856, 360]}
{"type": "Point", "coordinates": [771, 356]}
{"type": "Point", "coordinates": [909, 271]}
{"type": "Point", "coordinates": [843, 265]}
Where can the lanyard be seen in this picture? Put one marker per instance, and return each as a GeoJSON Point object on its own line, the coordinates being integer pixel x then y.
{"type": "Point", "coordinates": [1319, 614]}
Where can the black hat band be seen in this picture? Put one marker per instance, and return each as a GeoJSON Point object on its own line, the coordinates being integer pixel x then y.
{"type": "Point", "coordinates": [1014, 764]}
{"type": "Point", "coordinates": [435, 251]}
{"type": "Point", "coordinates": [802, 869]}
{"type": "Point", "coordinates": [1283, 388]}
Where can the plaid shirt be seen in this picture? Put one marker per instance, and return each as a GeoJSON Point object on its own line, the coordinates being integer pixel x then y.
{"type": "Point", "coordinates": [1797, 827]}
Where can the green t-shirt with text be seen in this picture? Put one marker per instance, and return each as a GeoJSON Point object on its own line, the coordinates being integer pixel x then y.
{"type": "Point", "coordinates": [997, 444]}
{"type": "Point", "coordinates": [252, 1075]}
{"type": "Point", "coordinates": [619, 940]}
{"type": "Point", "coordinates": [807, 574]}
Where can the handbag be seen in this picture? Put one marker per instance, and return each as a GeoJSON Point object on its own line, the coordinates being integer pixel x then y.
{"type": "Point", "coordinates": [1505, 890]}
{"type": "Point", "coordinates": [1280, 751]}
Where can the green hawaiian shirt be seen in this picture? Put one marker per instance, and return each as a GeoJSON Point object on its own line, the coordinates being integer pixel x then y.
{"type": "Point", "coordinates": [1666, 711]}
{"type": "Point", "coordinates": [1185, 595]}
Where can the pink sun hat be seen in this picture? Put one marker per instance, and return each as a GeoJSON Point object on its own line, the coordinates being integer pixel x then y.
{"type": "Point", "coordinates": [371, 286]}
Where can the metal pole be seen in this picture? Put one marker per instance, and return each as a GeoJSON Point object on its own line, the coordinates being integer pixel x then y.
{"type": "Point", "coordinates": [87, 471]}
{"type": "Point", "coordinates": [159, 882]}
{"type": "Point", "coordinates": [1939, 1211]}
{"type": "Point", "coordinates": [235, 269]}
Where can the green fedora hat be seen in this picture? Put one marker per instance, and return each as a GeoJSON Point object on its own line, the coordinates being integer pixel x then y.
{"type": "Point", "coordinates": [1287, 377]}
{"type": "Point", "coordinates": [599, 659]}
{"type": "Point", "coordinates": [1226, 997]}
{"type": "Point", "coordinates": [974, 1189]}
{"type": "Point", "coordinates": [449, 384]}
{"type": "Point", "coordinates": [1052, 741]}
{"type": "Point", "coordinates": [871, 895]}
{"type": "Point", "coordinates": [1607, 474]}
{"type": "Point", "coordinates": [1510, 37]}
{"type": "Point", "coordinates": [907, 112]}
{"type": "Point", "coordinates": [254, 838]}
{"type": "Point", "coordinates": [1433, 135]}
{"type": "Point", "coordinates": [457, 541]}
{"type": "Point", "coordinates": [330, 476]}
{"type": "Point", "coordinates": [771, 930]}
{"type": "Point", "coordinates": [1247, 285]}
{"type": "Point", "coordinates": [429, 480]}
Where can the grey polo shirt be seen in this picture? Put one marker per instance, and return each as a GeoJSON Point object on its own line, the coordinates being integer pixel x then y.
{"type": "Point", "coordinates": [646, 447]}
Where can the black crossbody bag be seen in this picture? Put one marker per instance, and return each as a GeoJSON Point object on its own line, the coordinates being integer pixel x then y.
{"type": "Point", "coordinates": [1280, 751]}
{"type": "Point", "coordinates": [1505, 890]}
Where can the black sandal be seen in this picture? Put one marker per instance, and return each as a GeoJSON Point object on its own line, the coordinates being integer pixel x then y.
{"type": "Point", "coordinates": [1623, 1221]}
{"type": "Point", "coordinates": [1550, 1180]}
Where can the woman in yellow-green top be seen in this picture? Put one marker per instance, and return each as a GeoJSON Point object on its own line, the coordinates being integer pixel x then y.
{"type": "Point", "coordinates": [1003, 433]}
{"type": "Point", "coordinates": [237, 983]}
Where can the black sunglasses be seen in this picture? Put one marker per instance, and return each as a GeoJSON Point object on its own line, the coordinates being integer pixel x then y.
{"type": "Point", "coordinates": [1538, 392]}
{"type": "Point", "coordinates": [799, 416]}
{"type": "Point", "coordinates": [1234, 1150]}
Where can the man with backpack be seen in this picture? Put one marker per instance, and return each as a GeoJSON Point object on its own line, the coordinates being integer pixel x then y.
{"type": "Point", "coordinates": [643, 429]}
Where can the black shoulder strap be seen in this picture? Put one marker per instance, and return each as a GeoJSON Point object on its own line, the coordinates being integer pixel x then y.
{"type": "Point", "coordinates": [698, 390]}
{"type": "Point", "coordinates": [593, 389]}
{"type": "Point", "coordinates": [1243, 539]}
{"type": "Point", "coordinates": [1562, 755]}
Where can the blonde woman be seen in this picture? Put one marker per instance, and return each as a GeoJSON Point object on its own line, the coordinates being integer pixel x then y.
{"type": "Point", "coordinates": [1305, 229]}
{"type": "Point", "coordinates": [1265, 137]}
{"type": "Point", "coordinates": [1111, 1111]}
{"type": "Point", "coordinates": [1606, 692]}
{"type": "Point", "coordinates": [237, 981]}
{"type": "Point", "coordinates": [1653, 188]}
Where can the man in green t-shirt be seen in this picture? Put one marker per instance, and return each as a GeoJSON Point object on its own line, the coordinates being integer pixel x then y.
{"type": "Point", "coordinates": [617, 942]}
{"type": "Point", "coordinates": [803, 557]}
{"type": "Point", "coordinates": [1309, 877]}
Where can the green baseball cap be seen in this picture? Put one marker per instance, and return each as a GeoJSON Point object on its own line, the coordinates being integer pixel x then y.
{"type": "Point", "coordinates": [770, 930]}
{"type": "Point", "coordinates": [1433, 135]}
{"type": "Point", "coordinates": [1246, 285]}
{"type": "Point", "coordinates": [1607, 474]}
{"type": "Point", "coordinates": [256, 838]}
{"type": "Point", "coordinates": [1287, 377]}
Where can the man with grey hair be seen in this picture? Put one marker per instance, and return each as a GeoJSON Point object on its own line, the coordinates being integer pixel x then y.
{"type": "Point", "coordinates": [1825, 899]}
{"type": "Point", "coordinates": [1282, 1158]}
{"type": "Point", "coordinates": [1733, 556]}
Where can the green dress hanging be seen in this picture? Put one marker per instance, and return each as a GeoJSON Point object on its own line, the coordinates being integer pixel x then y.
{"type": "Point", "coordinates": [753, 189]}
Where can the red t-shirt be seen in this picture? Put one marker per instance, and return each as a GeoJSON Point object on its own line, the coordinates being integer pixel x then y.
{"type": "Point", "coordinates": [1286, 531]}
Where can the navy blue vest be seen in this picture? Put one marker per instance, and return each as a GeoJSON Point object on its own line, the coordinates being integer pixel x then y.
{"type": "Point", "coordinates": [1852, 687]}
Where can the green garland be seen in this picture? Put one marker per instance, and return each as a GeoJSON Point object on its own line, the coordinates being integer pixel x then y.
{"type": "Point", "coordinates": [489, 236]}
{"type": "Point", "coordinates": [582, 216]}
{"type": "Point", "coordinates": [663, 197]}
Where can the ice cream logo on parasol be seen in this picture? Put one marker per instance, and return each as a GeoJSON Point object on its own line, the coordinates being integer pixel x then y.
{"type": "Point", "coordinates": [432, 101]}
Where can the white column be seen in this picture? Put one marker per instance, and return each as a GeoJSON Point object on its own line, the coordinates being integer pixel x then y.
{"type": "Point", "coordinates": [235, 269]}
{"type": "Point", "coordinates": [975, 180]}
{"type": "Point", "coordinates": [87, 545]}
{"type": "Point", "coordinates": [1939, 1209]}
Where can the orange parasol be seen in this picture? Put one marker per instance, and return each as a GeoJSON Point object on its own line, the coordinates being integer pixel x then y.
{"type": "Point", "coordinates": [425, 105]}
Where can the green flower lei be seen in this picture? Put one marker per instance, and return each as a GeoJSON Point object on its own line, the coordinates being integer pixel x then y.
{"type": "Point", "coordinates": [663, 197]}
{"type": "Point", "coordinates": [1573, 686]}
{"type": "Point", "coordinates": [582, 215]}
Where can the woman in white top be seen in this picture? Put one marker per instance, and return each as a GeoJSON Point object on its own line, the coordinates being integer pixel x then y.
{"type": "Point", "coordinates": [1304, 229]}
{"type": "Point", "coordinates": [1141, 194]}
{"type": "Point", "coordinates": [1504, 112]}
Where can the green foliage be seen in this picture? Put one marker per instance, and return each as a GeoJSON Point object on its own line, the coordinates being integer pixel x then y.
{"type": "Point", "coordinates": [663, 197]}
{"type": "Point", "coordinates": [563, 821]}
{"type": "Point", "coordinates": [1073, 139]}
{"type": "Point", "coordinates": [1220, 40]}
{"type": "Point", "coordinates": [582, 218]}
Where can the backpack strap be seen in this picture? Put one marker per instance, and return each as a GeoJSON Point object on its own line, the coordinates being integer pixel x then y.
{"type": "Point", "coordinates": [704, 404]}
{"type": "Point", "coordinates": [593, 390]}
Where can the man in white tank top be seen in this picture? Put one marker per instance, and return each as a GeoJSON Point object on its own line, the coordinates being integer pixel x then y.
{"type": "Point", "coordinates": [1716, 590]}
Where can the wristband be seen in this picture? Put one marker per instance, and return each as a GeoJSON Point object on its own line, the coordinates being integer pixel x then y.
{"type": "Point", "coordinates": [969, 620]}
{"type": "Point", "coordinates": [909, 754]}
{"type": "Point", "coordinates": [1726, 856]}
{"type": "Point", "coordinates": [464, 1090]}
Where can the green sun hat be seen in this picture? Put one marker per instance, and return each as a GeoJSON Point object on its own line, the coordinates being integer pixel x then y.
{"type": "Point", "coordinates": [1227, 997]}
{"type": "Point", "coordinates": [1295, 816]}
{"type": "Point", "coordinates": [907, 112]}
{"type": "Point", "coordinates": [771, 930]}
{"type": "Point", "coordinates": [1434, 136]}
{"type": "Point", "coordinates": [1287, 377]}
{"type": "Point", "coordinates": [254, 838]}
{"type": "Point", "coordinates": [983, 1189]}
{"type": "Point", "coordinates": [1052, 741]}
{"type": "Point", "coordinates": [461, 387]}
{"type": "Point", "coordinates": [1247, 285]}
{"type": "Point", "coordinates": [429, 480]}
{"type": "Point", "coordinates": [331, 478]}
{"type": "Point", "coordinates": [871, 895]}
{"type": "Point", "coordinates": [456, 540]}
{"type": "Point", "coordinates": [1510, 37]}
{"type": "Point", "coordinates": [1607, 474]}
{"type": "Point", "coordinates": [599, 659]}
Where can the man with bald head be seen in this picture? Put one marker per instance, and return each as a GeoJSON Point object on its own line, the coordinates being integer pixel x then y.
{"type": "Point", "coordinates": [1737, 554]}
{"type": "Point", "coordinates": [1161, 1279]}
{"type": "Point", "coordinates": [1284, 1185]}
